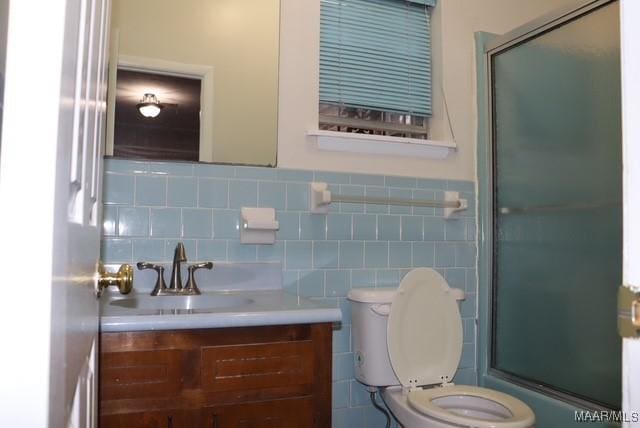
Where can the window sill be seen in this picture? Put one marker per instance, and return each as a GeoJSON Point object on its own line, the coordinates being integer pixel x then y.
{"type": "Point", "coordinates": [382, 145]}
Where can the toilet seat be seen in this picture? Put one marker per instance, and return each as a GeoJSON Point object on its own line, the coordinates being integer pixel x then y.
{"type": "Point", "coordinates": [423, 401]}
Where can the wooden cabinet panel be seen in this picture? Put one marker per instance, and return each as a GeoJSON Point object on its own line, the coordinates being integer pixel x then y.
{"type": "Point", "coordinates": [292, 413]}
{"type": "Point", "coordinates": [264, 365]}
{"type": "Point", "coordinates": [277, 376]}
{"type": "Point", "coordinates": [140, 374]}
{"type": "Point", "coordinates": [151, 419]}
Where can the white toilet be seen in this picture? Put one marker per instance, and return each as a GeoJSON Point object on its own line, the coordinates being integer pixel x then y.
{"type": "Point", "coordinates": [408, 342]}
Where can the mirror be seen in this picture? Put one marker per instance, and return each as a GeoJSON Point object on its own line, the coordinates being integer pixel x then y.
{"type": "Point", "coordinates": [194, 80]}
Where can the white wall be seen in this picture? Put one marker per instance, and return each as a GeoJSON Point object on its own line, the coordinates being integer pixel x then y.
{"type": "Point", "coordinates": [454, 23]}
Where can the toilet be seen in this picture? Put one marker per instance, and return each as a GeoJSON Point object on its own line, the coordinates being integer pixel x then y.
{"type": "Point", "coordinates": [408, 342]}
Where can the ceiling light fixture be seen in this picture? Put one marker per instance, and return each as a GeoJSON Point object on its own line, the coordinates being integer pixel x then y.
{"type": "Point", "coordinates": [149, 106]}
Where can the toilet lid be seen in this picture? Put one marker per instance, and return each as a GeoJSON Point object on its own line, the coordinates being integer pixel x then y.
{"type": "Point", "coordinates": [424, 331]}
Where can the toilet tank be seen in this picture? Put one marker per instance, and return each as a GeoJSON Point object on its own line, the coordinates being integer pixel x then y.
{"type": "Point", "coordinates": [370, 310]}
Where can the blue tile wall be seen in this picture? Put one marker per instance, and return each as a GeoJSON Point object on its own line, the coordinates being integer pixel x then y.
{"type": "Point", "coordinates": [149, 206]}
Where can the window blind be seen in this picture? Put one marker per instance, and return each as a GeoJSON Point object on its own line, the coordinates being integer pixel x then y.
{"type": "Point", "coordinates": [376, 54]}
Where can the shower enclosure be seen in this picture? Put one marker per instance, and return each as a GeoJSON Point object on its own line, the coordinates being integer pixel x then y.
{"type": "Point", "coordinates": [556, 178]}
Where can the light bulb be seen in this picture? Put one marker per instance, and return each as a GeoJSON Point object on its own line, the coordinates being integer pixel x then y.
{"type": "Point", "coordinates": [149, 106]}
{"type": "Point", "coordinates": [149, 110]}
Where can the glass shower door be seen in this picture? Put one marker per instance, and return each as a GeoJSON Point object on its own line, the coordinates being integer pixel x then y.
{"type": "Point", "coordinates": [557, 179]}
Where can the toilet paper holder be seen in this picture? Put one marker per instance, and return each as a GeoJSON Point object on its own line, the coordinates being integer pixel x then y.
{"type": "Point", "coordinates": [258, 225]}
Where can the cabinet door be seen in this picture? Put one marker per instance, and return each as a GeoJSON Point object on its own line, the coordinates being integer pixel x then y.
{"type": "Point", "coordinates": [151, 419]}
{"type": "Point", "coordinates": [290, 413]}
{"type": "Point", "coordinates": [140, 374]}
{"type": "Point", "coordinates": [257, 366]}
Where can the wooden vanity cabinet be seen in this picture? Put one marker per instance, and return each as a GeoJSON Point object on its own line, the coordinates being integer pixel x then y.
{"type": "Point", "coordinates": [276, 376]}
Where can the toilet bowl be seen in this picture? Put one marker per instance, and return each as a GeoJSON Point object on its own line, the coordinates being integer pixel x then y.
{"type": "Point", "coordinates": [457, 406]}
{"type": "Point", "coordinates": [408, 342]}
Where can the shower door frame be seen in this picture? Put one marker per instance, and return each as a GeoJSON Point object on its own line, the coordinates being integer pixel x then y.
{"type": "Point", "coordinates": [490, 376]}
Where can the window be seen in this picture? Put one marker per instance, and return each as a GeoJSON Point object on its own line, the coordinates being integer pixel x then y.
{"type": "Point", "coordinates": [375, 66]}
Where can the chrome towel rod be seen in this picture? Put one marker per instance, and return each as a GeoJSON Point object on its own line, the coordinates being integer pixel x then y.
{"type": "Point", "coordinates": [320, 198]}
{"type": "Point", "coordinates": [394, 201]}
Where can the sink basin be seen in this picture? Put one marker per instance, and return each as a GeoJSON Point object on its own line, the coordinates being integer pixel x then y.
{"type": "Point", "coordinates": [182, 302]}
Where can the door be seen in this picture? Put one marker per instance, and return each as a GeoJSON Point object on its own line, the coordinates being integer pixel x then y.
{"type": "Point", "coordinates": [630, 47]}
{"type": "Point", "coordinates": [557, 217]}
{"type": "Point", "coordinates": [50, 182]}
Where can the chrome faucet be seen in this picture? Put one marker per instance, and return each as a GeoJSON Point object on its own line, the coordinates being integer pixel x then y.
{"type": "Point", "coordinates": [175, 287]}
{"type": "Point", "coordinates": [179, 256]}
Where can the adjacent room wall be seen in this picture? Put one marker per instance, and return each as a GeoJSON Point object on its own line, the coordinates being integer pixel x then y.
{"type": "Point", "coordinates": [454, 23]}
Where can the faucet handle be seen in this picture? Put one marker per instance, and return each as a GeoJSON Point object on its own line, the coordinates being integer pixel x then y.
{"type": "Point", "coordinates": [191, 282]}
{"type": "Point", "coordinates": [147, 265]}
{"type": "Point", "coordinates": [205, 265]}
{"type": "Point", "coordinates": [160, 286]}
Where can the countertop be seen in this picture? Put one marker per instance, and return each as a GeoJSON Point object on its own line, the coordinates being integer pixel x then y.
{"type": "Point", "coordinates": [259, 308]}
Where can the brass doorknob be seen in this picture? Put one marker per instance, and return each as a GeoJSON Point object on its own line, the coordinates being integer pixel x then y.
{"type": "Point", "coordinates": [123, 279]}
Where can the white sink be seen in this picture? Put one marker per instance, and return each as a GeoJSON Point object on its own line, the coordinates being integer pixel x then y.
{"type": "Point", "coordinates": [182, 302]}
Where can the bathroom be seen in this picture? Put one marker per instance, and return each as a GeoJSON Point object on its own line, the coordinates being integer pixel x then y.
{"type": "Point", "coordinates": [357, 175]}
